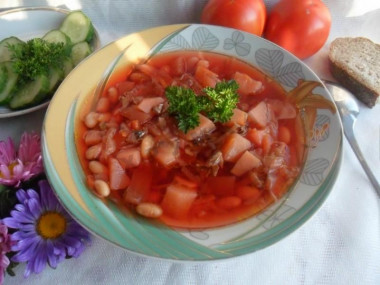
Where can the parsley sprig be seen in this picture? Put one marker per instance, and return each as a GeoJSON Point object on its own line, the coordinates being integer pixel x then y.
{"type": "Point", "coordinates": [36, 56]}
{"type": "Point", "coordinates": [216, 103]}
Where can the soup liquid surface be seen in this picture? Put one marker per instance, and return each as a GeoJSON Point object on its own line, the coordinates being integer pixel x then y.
{"type": "Point", "coordinates": [215, 174]}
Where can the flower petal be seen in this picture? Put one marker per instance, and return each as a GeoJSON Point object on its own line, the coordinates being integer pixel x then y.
{"type": "Point", "coordinates": [26, 243]}
{"type": "Point", "coordinates": [7, 151]}
{"type": "Point", "coordinates": [40, 259]}
{"type": "Point", "coordinates": [52, 258]}
{"type": "Point", "coordinates": [49, 197]}
{"type": "Point", "coordinates": [5, 171]}
{"type": "Point", "coordinates": [20, 235]}
{"type": "Point", "coordinates": [22, 217]}
{"type": "Point", "coordinates": [21, 195]}
{"type": "Point", "coordinates": [32, 194]}
{"type": "Point", "coordinates": [20, 207]}
{"type": "Point", "coordinates": [28, 228]}
{"type": "Point", "coordinates": [18, 170]}
{"type": "Point", "coordinates": [27, 250]}
{"type": "Point", "coordinates": [11, 222]}
{"type": "Point", "coordinates": [34, 207]}
{"type": "Point", "coordinates": [30, 147]}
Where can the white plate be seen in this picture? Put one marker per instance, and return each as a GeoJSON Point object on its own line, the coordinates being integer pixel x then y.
{"type": "Point", "coordinates": [28, 23]}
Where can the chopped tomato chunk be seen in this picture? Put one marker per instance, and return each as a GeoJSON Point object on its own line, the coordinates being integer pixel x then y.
{"type": "Point", "coordinates": [129, 157]}
{"type": "Point", "coordinates": [205, 126]}
{"type": "Point", "coordinates": [133, 113]}
{"type": "Point", "coordinates": [247, 85]}
{"type": "Point", "coordinates": [118, 178]}
{"type": "Point", "coordinates": [147, 104]}
{"type": "Point", "coordinates": [166, 152]}
{"type": "Point", "coordinates": [245, 163]}
{"type": "Point", "coordinates": [205, 76]}
{"type": "Point", "coordinates": [139, 188]}
{"type": "Point", "coordinates": [178, 200]}
{"type": "Point", "coordinates": [260, 115]}
{"type": "Point", "coordinates": [234, 146]}
{"type": "Point", "coordinates": [239, 117]}
{"type": "Point", "coordinates": [256, 136]}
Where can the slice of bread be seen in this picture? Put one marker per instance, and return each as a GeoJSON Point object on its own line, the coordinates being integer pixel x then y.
{"type": "Point", "coordinates": [355, 63]}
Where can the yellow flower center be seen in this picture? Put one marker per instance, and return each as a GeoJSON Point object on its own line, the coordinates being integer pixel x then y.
{"type": "Point", "coordinates": [10, 167]}
{"type": "Point", "coordinates": [51, 225]}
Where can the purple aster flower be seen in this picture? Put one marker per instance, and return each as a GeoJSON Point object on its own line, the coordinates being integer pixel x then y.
{"type": "Point", "coordinates": [22, 165]}
{"type": "Point", "coordinates": [45, 232]}
{"type": "Point", "coordinates": [5, 247]}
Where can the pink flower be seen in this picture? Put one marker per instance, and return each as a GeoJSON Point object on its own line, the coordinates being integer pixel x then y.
{"type": "Point", "coordinates": [22, 165]}
{"type": "Point", "coordinates": [5, 246]}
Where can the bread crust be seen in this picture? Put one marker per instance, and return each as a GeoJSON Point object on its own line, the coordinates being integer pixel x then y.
{"type": "Point", "coordinates": [347, 78]}
{"type": "Point", "coordinates": [363, 93]}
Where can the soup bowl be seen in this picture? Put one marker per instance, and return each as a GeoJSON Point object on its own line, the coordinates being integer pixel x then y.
{"type": "Point", "coordinates": [151, 237]}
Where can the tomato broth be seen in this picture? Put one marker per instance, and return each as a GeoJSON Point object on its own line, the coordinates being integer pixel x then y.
{"type": "Point", "coordinates": [133, 152]}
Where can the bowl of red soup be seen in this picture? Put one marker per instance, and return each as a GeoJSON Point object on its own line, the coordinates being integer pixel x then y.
{"type": "Point", "coordinates": [192, 143]}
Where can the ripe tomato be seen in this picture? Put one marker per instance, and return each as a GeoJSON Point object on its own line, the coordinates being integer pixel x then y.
{"type": "Point", "coordinates": [245, 15]}
{"type": "Point", "coordinates": [300, 26]}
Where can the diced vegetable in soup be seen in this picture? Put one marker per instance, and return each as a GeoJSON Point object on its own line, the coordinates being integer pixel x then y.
{"type": "Point", "coordinates": [194, 139]}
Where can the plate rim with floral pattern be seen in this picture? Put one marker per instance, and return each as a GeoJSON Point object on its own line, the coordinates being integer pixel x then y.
{"type": "Point", "coordinates": [149, 238]}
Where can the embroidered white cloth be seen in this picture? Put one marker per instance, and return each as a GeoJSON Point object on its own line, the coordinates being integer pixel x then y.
{"type": "Point", "coordinates": [340, 244]}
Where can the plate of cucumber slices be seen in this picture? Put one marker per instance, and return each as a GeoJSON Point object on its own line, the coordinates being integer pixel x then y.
{"type": "Point", "coordinates": [38, 48]}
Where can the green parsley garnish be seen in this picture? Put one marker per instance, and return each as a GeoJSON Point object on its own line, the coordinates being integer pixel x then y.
{"type": "Point", "coordinates": [36, 57]}
{"type": "Point", "coordinates": [223, 99]}
{"type": "Point", "coordinates": [185, 106]}
{"type": "Point", "coordinates": [216, 103]}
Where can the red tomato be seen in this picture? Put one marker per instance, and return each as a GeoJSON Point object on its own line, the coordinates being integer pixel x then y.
{"type": "Point", "coordinates": [299, 26]}
{"type": "Point", "coordinates": [245, 15]}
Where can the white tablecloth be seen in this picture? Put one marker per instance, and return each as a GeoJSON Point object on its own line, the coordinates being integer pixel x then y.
{"type": "Point", "coordinates": [340, 244]}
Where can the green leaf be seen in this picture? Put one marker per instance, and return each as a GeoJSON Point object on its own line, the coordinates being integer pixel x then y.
{"type": "Point", "coordinates": [8, 200]}
{"type": "Point", "coordinates": [12, 265]}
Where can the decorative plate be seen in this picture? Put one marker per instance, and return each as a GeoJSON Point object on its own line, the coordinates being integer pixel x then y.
{"type": "Point", "coordinates": [148, 238]}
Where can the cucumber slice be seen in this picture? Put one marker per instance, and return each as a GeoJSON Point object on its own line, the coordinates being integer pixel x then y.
{"type": "Point", "coordinates": [67, 67]}
{"type": "Point", "coordinates": [55, 76]}
{"type": "Point", "coordinates": [56, 36]}
{"type": "Point", "coordinates": [79, 51]}
{"type": "Point", "coordinates": [5, 54]}
{"type": "Point", "coordinates": [11, 80]}
{"type": "Point", "coordinates": [3, 76]}
{"type": "Point", "coordinates": [31, 94]}
{"type": "Point", "coordinates": [78, 27]}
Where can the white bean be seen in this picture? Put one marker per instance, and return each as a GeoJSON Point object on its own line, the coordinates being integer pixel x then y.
{"type": "Point", "coordinates": [102, 188]}
{"type": "Point", "coordinates": [149, 210]}
{"type": "Point", "coordinates": [146, 145]}
{"type": "Point", "coordinates": [113, 95]}
{"type": "Point", "coordinates": [93, 152]}
{"type": "Point", "coordinates": [103, 105]}
{"type": "Point", "coordinates": [96, 167]}
{"type": "Point", "coordinates": [91, 120]}
{"type": "Point", "coordinates": [93, 137]}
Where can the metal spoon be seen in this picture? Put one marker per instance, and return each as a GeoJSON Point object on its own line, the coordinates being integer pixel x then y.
{"type": "Point", "coordinates": [349, 111]}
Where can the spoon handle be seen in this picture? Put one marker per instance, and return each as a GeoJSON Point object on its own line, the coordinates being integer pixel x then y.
{"type": "Point", "coordinates": [349, 132]}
